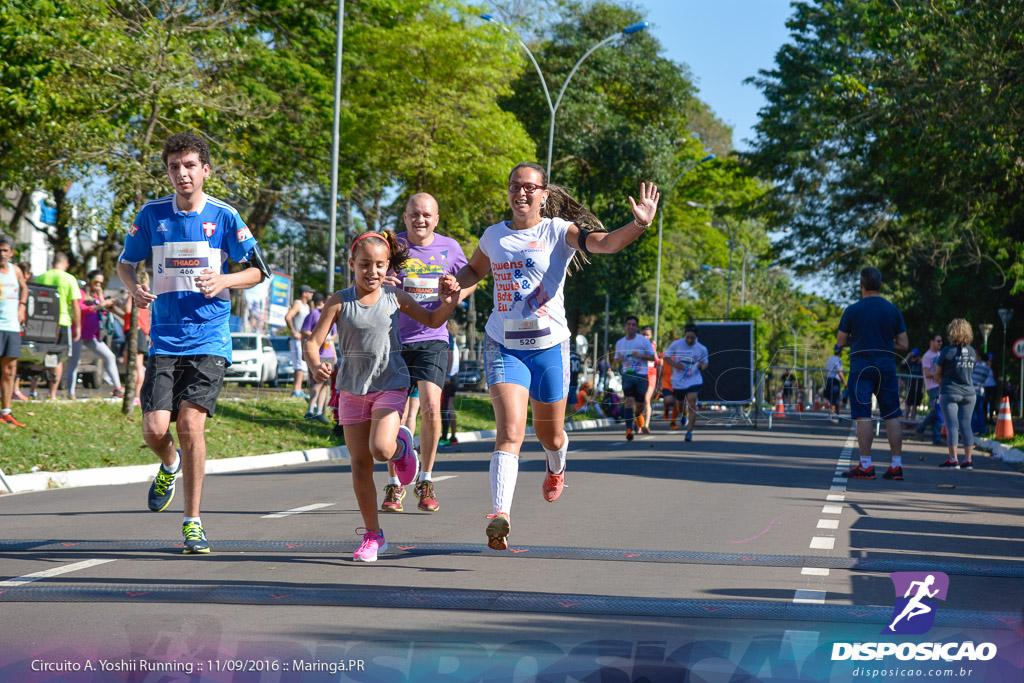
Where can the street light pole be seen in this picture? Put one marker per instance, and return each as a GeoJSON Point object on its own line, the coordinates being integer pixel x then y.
{"type": "Point", "coordinates": [728, 291]}
{"type": "Point", "coordinates": [333, 240]}
{"type": "Point", "coordinates": [661, 221]}
{"type": "Point", "coordinates": [553, 108]}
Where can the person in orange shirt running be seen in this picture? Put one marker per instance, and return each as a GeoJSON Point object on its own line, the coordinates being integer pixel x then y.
{"type": "Point", "coordinates": [667, 396]}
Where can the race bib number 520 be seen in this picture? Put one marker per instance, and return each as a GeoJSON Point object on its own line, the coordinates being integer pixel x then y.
{"type": "Point", "coordinates": [527, 334]}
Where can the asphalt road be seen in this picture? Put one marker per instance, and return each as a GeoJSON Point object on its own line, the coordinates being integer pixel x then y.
{"type": "Point", "coordinates": [739, 556]}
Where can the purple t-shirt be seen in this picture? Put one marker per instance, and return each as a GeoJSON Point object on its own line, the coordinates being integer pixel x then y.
{"type": "Point", "coordinates": [444, 256]}
{"type": "Point", "coordinates": [309, 324]}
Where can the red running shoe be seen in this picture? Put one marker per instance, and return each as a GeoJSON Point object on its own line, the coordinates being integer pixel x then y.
{"type": "Point", "coordinates": [553, 485]}
{"type": "Point", "coordinates": [497, 531]}
{"type": "Point", "coordinates": [859, 472]}
{"type": "Point", "coordinates": [9, 419]}
{"type": "Point", "coordinates": [894, 473]}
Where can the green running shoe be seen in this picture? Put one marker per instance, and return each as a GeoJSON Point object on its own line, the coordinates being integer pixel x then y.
{"type": "Point", "coordinates": [195, 539]}
{"type": "Point", "coordinates": [161, 491]}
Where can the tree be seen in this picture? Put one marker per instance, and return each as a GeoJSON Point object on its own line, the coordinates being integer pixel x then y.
{"type": "Point", "coordinates": [894, 137]}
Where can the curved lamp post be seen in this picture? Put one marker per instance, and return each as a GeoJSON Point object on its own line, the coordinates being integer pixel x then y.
{"type": "Point", "coordinates": [553, 108]}
{"type": "Point", "coordinates": [661, 220]}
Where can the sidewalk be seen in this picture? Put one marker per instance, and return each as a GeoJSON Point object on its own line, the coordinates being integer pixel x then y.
{"type": "Point", "coordinates": [132, 474]}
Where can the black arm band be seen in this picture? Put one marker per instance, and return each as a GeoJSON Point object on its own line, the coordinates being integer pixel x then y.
{"type": "Point", "coordinates": [256, 261]}
{"type": "Point", "coordinates": [582, 240]}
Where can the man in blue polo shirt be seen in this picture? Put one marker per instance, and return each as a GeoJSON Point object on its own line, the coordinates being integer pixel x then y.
{"type": "Point", "coordinates": [190, 236]}
{"type": "Point", "coordinates": [874, 330]}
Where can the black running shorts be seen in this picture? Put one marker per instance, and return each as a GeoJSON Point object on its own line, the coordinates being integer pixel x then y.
{"type": "Point", "coordinates": [173, 379]}
{"type": "Point", "coordinates": [427, 361]}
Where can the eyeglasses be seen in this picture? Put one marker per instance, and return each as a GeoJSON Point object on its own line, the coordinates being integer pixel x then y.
{"type": "Point", "coordinates": [528, 188]}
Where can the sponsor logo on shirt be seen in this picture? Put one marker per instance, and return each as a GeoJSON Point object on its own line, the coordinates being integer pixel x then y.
{"type": "Point", "coordinates": [161, 227]}
{"type": "Point", "coordinates": [132, 230]}
{"type": "Point", "coordinates": [209, 228]}
{"type": "Point", "coordinates": [244, 234]}
{"type": "Point", "coordinates": [536, 245]}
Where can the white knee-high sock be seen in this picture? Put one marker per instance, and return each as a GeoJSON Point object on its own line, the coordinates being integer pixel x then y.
{"type": "Point", "coordinates": [556, 459]}
{"type": "Point", "coordinates": [504, 472]}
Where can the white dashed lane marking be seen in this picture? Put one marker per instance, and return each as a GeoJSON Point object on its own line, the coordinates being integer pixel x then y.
{"type": "Point", "coordinates": [297, 511]}
{"type": "Point", "coordinates": [56, 571]}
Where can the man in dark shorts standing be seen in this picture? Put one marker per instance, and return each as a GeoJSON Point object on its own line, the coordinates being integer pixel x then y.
{"type": "Point", "coordinates": [191, 236]}
{"type": "Point", "coordinates": [633, 351]}
{"type": "Point", "coordinates": [424, 349]}
{"type": "Point", "coordinates": [874, 330]}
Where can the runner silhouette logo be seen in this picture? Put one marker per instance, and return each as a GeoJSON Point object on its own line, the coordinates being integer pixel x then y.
{"type": "Point", "coordinates": [914, 611]}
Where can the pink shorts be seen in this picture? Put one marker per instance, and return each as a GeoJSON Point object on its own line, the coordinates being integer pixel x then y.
{"type": "Point", "coordinates": [350, 409]}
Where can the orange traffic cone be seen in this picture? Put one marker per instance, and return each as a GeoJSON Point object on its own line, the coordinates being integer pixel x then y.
{"type": "Point", "coordinates": [800, 402]}
{"type": "Point", "coordinates": [1004, 423]}
{"type": "Point", "coordinates": [780, 407]}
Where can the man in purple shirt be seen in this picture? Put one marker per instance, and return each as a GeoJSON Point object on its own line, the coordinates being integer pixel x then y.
{"type": "Point", "coordinates": [424, 349]}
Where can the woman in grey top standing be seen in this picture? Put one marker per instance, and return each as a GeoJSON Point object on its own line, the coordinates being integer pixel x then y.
{"type": "Point", "coordinates": [372, 380]}
{"type": "Point", "coordinates": [954, 368]}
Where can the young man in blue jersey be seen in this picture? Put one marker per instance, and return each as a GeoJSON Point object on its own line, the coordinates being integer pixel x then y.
{"type": "Point", "coordinates": [191, 237]}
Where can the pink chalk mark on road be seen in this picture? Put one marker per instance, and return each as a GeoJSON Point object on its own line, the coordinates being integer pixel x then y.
{"type": "Point", "coordinates": [746, 540]}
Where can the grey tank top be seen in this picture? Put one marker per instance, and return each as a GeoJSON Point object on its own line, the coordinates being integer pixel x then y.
{"type": "Point", "coordinates": [369, 345]}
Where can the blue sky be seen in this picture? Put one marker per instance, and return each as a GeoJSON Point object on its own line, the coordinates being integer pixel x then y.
{"type": "Point", "coordinates": [723, 42]}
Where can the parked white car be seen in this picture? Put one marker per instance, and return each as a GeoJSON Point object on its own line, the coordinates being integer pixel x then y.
{"type": "Point", "coordinates": [253, 359]}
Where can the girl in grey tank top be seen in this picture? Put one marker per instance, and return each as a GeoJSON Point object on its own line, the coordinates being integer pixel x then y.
{"type": "Point", "coordinates": [372, 378]}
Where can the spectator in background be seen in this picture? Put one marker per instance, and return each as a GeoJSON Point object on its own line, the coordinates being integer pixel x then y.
{"type": "Point", "coordinates": [931, 387]}
{"type": "Point", "coordinates": [874, 330]}
{"type": "Point", "coordinates": [294, 319]}
{"type": "Point", "coordinates": [954, 370]}
{"type": "Point", "coordinates": [13, 306]}
{"type": "Point", "coordinates": [96, 312]}
{"type": "Point", "coordinates": [915, 383]}
{"type": "Point", "coordinates": [604, 374]}
{"type": "Point", "coordinates": [451, 385]}
{"type": "Point", "coordinates": [834, 382]}
{"type": "Point", "coordinates": [991, 390]}
{"type": "Point", "coordinates": [585, 402]}
{"type": "Point", "coordinates": [142, 340]}
{"type": "Point", "coordinates": [70, 322]}
{"type": "Point", "coordinates": [982, 373]}
{"type": "Point", "coordinates": [574, 377]}
{"type": "Point", "coordinates": [788, 379]}
{"type": "Point", "coordinates": [26, 272]}
{"type": "Point", "coordinates": [319, 391]}
{"type": "Point", "coordinates": [611, 404]}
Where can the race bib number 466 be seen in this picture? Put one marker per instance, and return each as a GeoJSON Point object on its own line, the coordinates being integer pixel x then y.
{"type": "Point", "coordinates": [186, 259]}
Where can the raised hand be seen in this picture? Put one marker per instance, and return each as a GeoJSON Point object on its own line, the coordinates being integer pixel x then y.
{"type": "Point", "coordinates": [644, 210]}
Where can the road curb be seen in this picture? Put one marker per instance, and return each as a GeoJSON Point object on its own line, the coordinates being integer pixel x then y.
{"type": "Point", "coordinates": [133, 474]}
{"type": "Point", "coordinates": [1000, 451]}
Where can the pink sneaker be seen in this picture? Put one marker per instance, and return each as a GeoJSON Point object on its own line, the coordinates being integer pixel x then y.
{"type": "Point", "coordinates": [407, 465]}
{"type": "Point", "coordinates": [373, 543]}
{"type": "Point", "coordinates": [19, 396]}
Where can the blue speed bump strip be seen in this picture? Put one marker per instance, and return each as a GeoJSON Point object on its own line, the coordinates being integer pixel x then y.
{"type": "Point", "coordinates": [399, 549]}
{"type": "Point", "coordinates": [334, 595]}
